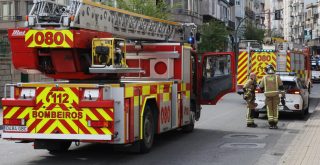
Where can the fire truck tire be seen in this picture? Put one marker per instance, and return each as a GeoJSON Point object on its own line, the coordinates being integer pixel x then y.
{"type": "Point", "coordinates": [190, 127]}
{"type": "Point", "coordinates": [148, 131]}
{"type": "Point", "coordinates": [59, 147]}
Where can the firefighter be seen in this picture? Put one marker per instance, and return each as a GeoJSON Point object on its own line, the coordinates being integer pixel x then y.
{"type": "Point", "coordinates": [117, 54]}
{"type": "Point", "coordinates": [249, 96]}
{"type": "Point", "coordinates": [271, 84]}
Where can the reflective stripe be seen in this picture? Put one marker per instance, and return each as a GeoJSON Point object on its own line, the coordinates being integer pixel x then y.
{"type": "Point", "coordinates": [55, 136]}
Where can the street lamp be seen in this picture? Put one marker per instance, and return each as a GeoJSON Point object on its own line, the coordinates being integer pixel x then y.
{"type": "Point", "coordinates": [236, 43]}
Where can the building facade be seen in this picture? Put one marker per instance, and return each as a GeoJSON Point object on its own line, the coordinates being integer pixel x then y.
{"type": "Point", "coordinates": [311, 25]}
{"type": "Point", "coordinates": [312, 32]}
{"type": "Point", "coordinates": [254, 12]}
{"type": "Point", "coordinates": [294, 21]}
{"type": "Point", "coordinates": [222, 11]}
{"type": "Point", "coordinates": [275, 15]}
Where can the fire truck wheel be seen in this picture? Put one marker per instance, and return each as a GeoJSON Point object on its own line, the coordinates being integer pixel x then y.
{"type": "Point", "coordinates": [189, 128]}
{"type": "Point", "coordinates": [148, 131]}
{"type": "Point", "coordinates": [59, 147]}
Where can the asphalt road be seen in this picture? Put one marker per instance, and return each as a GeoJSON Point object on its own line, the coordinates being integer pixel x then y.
{"type": "Point", "coordinates": [220, 138]}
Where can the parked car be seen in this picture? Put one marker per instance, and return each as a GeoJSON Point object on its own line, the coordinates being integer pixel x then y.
{"type": "Point", "coordinates": [296, 97]}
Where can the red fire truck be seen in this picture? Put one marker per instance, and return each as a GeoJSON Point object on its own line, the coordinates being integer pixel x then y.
{"type": "Point", "coordinates": [295, 60]}
{"type": "Point", "coordinates": [117, 91]}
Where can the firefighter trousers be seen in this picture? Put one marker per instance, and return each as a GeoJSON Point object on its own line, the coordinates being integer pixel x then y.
{"type": "Point", "coordinates": [272, 109]}
{"type": "Point", "coordinates": [250, 116]}
{"type": "Point", "coordinates": [250, 112]}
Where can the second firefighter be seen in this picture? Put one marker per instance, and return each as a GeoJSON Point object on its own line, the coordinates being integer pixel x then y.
{"type": "Point", "coordinates": [249, 96]}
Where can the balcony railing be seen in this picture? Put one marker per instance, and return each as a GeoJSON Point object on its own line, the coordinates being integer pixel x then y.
{"type": "Point", "coordinates": [249, 12]}
{"type": "Point", "coordinates": [11, 18]}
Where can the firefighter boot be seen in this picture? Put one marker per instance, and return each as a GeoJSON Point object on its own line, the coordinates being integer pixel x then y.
{"type": "Point", "coordinates": [252, 125]}
{"type": "Point", "coordinates": [271, 125]}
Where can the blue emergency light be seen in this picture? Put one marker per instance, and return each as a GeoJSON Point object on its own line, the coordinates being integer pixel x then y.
{"type": "Point", "coordinates": [191, 40]}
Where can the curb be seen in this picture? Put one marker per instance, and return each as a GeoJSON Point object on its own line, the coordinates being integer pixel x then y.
{"type": "Point", "coordinates": [304, 146]}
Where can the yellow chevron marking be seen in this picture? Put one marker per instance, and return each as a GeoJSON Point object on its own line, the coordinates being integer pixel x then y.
{"type": "Point", "coordinates": [242, 80]}
{"type": "Point", "coordinates": [11, 112]}
{"type": "Point", "coordinates": [42, 96]}
{"type": "Point", "coordinates": [106, 131]}
{"type": "Point", "coordinates": [51, 128]}
{"type": "Point", "coordinates": [29, 122]}
{"type": "Point", "coordinates": [72, 95]}
{"type": "Point", "coordinates": [41, 124]}
{"type": "Point", "coordinates": [62, 128]}
{"type": "Point", "coordinates": [25, 112]}
{"type": "Point", "coordinates": [89, 113]}
{"type": "Point", "coordinates": [90, 129]}
{"type": "Point", "coordinates": [104, 114]}
{"type": "Point", "coordinates": [72, 125]}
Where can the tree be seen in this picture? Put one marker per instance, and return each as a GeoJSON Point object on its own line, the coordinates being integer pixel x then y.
{"type": "Point", "coordinates": [214, 36]}
{"type": "Point", "coordinates": [158, 8]}
{"type": "Point", "coordinates": [253, 33]}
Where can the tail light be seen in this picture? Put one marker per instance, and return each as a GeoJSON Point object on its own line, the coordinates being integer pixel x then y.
{"type": "Point", "coordinates": [91, 94]}
{"type": "Point", "coordinates": [258, 90]}
{"type": "Point", "coordinates": [240, 86]}
{"type": "Point", "coordinates": [297, 92]}
{"type": "Point", "coordinates": [296, 106]}
{"type": "Point", "coordinates": [14, 122]}
{"type": "Point", "coordinates": [27, 18]}
{"type": "Point", "coordinates": [98, 124]}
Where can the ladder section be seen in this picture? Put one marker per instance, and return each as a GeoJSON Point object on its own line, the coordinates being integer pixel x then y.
{"type": "Point", "coordinates": [94, 16]}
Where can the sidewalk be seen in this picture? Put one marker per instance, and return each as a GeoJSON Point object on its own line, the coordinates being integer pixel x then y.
{"type": "Point", "coordinates": [305, 148]}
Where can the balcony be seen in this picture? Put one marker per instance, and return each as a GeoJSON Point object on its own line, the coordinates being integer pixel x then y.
{"type": "Point", "coordinates": [231, 2]}
{"type": "Point", "coordinates": [314, 42]}
{"type": "Point", "coordinates": [7, 22]}
{"type": "Point", "coordinates": [249, 12]}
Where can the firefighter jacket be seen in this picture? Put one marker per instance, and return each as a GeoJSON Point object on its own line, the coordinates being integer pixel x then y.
{"type": "Point", "coordinates": [249, 90]}
{"type": "Point", "coordinates": [270, 83]}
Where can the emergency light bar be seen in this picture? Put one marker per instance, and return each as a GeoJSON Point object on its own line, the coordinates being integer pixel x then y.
{"type": "Point", "coordinates": [264, 50]}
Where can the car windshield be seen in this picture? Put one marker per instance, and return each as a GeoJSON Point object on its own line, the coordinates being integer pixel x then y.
{"type": "Point", "coordinates": [290, 85]}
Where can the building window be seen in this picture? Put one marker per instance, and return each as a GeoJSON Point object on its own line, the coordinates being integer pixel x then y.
{"type": "Point", "coordinates": [238, 3]}
{"type": "Point", "coordinates": [185, 4]}
{"type": "Point", "coordinates": [195, 6]}
{"type": "Point", "coordinates": [29, 6]}
{"type": "Point", "coordinates": [213, 7]}
{"type": "Point", "coordinates": [7, 10]}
